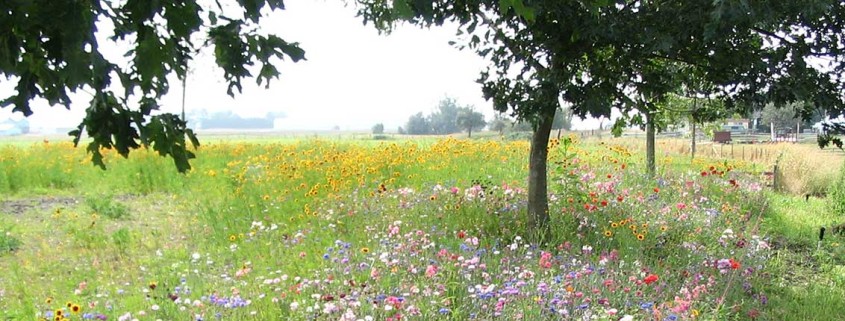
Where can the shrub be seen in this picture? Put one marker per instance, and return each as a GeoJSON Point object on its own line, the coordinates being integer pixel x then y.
{"type": "Point", "coordinates": [106, 206]}
{"type": "Point", "coordinates": [836, 194]}
{"type": "Point", "coordinates": [8, 243]}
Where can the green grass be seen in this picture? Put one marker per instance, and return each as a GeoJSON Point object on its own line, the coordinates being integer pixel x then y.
{"type": "Point", "coordinates": [807, 276]}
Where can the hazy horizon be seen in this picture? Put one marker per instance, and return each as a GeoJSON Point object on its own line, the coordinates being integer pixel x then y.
{"type": "Point", "coordinates": [353, 77]}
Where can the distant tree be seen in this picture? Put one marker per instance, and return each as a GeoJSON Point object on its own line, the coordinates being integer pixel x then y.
{"type": "Point", "coordinates": [418, 125]}
{"type": "Point", "coordinates": [521, 126]}
{"type": "Point", "coordinates": [401, 130]}
{"type": "Point", "coordinates": [444, 119]}
{"type": "Point", "coordinates": [378, 129]}
{"type": "Point", "coordinates": [499, 123]}
{"type": "Point", "coordinates": [562, 120]}
{"type": "Point", "coordinates": [788, 115]}
{"type": "Point", "coordinates": [468, 119]}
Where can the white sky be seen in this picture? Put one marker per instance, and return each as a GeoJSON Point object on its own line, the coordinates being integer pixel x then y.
{"type": "Point", "coordinates": [353, 77]}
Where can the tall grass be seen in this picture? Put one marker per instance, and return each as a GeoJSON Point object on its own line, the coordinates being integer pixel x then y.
{"type": "Point", "coordinates": [802, 168]}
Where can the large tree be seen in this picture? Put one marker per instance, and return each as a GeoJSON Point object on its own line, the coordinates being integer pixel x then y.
{"type": "Point", "coordinates": [444, 119]}
{"type": "Point", "coordinates": [470, 119]}
{"type": "Point", "coordinates": [51, 48]}
{"type": "Point", "coordinates": [598, 54]}
{"type": "Point", "coordinates": [787, 116]}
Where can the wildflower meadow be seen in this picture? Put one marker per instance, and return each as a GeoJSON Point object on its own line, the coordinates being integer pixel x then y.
{"type": "Point", "coordinates": [403, 230]}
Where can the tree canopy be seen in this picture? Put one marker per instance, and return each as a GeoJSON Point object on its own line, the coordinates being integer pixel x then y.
{"type": "Point", "coordinates": [469, 119]}
{"type": "Point", "coordinates": [50, 48]}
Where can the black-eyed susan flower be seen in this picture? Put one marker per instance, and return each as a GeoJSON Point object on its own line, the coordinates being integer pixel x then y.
{"type": "Point", "coordinates": [608, 233]}
{"type": "Point", "coordinates": [365, 250]}
{"type": "Point", "coordinates": [614, 225]}
{"type": "Point", "coordinates": [233, 238]}
{"type": "Point", "coordinates": [640, 237]}
{"type": "Point", "coordinates": [75, 308]}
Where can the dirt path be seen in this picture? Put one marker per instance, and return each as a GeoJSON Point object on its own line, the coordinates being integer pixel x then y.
{"type": "Point", "coordinates": [21, 206]}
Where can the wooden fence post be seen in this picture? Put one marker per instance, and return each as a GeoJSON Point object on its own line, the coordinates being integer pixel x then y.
{"type": "Point", "coordinates": [775, 178]}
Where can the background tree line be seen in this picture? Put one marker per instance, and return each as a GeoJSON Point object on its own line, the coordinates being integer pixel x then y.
{"type": "Point", "coordinates": [450, 117]}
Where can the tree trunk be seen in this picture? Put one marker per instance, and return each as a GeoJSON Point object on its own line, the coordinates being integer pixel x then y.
{"type": "Point", "coordinates": [558, 133]}
{"type": "Point", "coordinates": [692, 151]}
{"type": "Point", "coordinates": [649, 145]}
{"type": "Point", "coordinates": [469, 133]}
{"type": "Point", "coordinates": [538, 198]}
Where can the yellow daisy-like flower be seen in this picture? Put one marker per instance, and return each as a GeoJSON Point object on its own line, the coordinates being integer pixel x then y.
{"type": "Point", "coordinates": [48, 300]}
{"type": "Point", "coordinates": [640, 237]}
{"type": "Point", "coordinates": [608, 233]}
{"type": "Point", "coordinates": [75, 308]}
{"type": "Point", "coordinates": [233, 238]}
{"type": "Point", "coordinates": [664, 228]}
{"type": "Point", "coordinates": [614, 225]}
{"type": "Point", "coordinates": [365, 250]}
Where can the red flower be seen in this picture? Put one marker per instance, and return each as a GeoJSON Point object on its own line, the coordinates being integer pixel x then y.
{"type": "Point", "coordinates": [735, 264]}
{"type": "Point", "coordinates": [604, 203]}
{"type": "Point", "coordinates": [620, 198]}
{"type": "Point", "coordinates": [733, 182]}
{"type": "Point", "coordinates": [462, 234]}
{"type": "Point", "coordinates": [651, 279]}
{"type": "Point", "coordinates": [703, 173]}
{"type": "Point", "coordinates": [657, 190]}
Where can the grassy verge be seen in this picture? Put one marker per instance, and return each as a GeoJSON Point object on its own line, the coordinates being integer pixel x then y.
{"type": "Point", "coordinates": [807, 277]}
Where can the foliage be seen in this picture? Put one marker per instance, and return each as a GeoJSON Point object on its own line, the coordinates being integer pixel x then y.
{"type": "Point", "coordinates": [563, 119]}
{"type": "Point", "coordinates": [787, 116]}
{"type": "Point", "coordinates": [52, 48]}
{"type": "Point", "coordinates": [836, 194]}
{"type": "Point", "coordinates": [418, 125]}
{"type": "Point", "coordinates": [444, 119]}
{"type": "Point", "coordinates": [8, 243]}
{"type": "Point", "coordinates": [378, 129]}
{"type": "Point", "coordinates": [468, 119]}
{"type": "Point", "coordinates": [499, 123]}
{"type": "Point", "coordinates": [106, 206]}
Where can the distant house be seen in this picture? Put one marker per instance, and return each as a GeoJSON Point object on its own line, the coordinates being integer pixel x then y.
{"type": "Point", "coordinates": [736, 125]}
{"type": "Point", "coordinates": [10, 127]}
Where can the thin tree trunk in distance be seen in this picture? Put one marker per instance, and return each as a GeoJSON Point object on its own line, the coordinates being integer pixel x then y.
{"type": "Point", "coordinates": [693, 140]}
{"type": "Point", "coordinates": [649, 147]}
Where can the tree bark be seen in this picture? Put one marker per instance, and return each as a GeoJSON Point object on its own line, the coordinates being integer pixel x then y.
{"type": "Point", "coordinates": [469, 133]}
{"type": "Point", "coordinates": [649, 145]}
{"type": "Point", "coordinates": [538, 198]}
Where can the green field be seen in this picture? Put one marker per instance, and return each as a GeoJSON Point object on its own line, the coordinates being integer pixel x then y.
{"type": "Point", "coordinates": [360, 229]}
